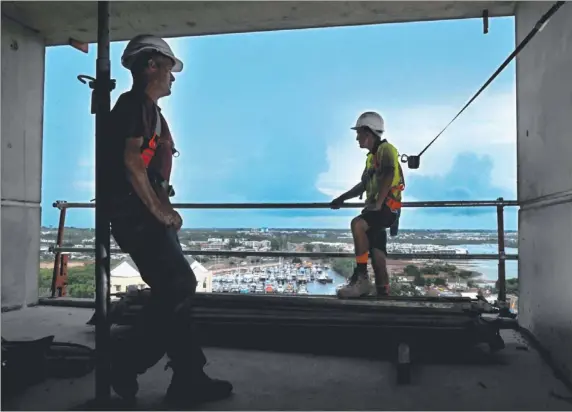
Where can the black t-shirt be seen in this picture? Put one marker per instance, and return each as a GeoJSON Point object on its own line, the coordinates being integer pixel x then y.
{"type": "Point", "coordinates": [134, 115]}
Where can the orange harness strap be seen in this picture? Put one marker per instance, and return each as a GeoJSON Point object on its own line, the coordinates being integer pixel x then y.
{"type": "Point", "coordinates": [149, 151]}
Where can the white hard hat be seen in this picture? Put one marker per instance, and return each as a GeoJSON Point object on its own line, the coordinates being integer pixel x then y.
{"type": "Point", "coordinates": [148, 42]}
{"type": "Point", "coordinates": [372, 120]}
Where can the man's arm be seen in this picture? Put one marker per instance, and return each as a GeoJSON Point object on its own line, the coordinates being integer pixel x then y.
{"type": "Point", "coordinates": [137, 174]}
{"type": "Point", "coordinates": [353, 192]}
{"type": "Point", "coordinates": [350, 194]}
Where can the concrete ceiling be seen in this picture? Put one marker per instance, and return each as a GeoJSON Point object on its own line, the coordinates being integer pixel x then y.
{"type": "Point", "coordinates": [59, 21]}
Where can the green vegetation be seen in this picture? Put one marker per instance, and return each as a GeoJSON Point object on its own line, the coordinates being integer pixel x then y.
{"type": "Point", "coordinates": [344, 267]}
{"type": "Point", "coordinates": [81, 281]}
{"type": "Point", "coordinates": [512, 286]}
{"type": "Point", "coordinates": [402, 289]}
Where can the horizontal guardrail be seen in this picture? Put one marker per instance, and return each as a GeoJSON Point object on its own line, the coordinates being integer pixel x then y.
{"type": "Point", "coordinates": [61, 252]}
{"type": "Point", "coordinates": [60, 204]}
{"type": "Point", "coordinates": [395, 256]}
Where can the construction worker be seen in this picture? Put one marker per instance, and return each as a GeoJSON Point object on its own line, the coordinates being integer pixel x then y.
{"type": "Point", "coordinates": [382, 180]}
{"type": "Point", "coordinates": [145, 225]}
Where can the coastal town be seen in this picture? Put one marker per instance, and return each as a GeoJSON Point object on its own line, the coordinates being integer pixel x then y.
{"type": "Point", "coordinates": [292, 276]}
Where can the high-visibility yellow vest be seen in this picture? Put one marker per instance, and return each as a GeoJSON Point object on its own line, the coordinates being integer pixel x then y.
{"type": "Point", "coordinates": [393, 200]}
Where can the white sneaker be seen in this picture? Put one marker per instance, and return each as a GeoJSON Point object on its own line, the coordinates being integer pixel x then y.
{"type": "Point", "coordinates": [358, 286]}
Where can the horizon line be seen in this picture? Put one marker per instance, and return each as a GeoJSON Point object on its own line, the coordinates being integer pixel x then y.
{"type": "Point", "coordinates": [291, 229]}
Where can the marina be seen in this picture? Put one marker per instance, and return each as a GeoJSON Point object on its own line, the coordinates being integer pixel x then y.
{"type": "Point", "coordinates": [283, 278]}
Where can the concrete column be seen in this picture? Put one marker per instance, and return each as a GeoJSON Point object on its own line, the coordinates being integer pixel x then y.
{"type": "Point", "coordinates": [22, 121]}
{"type": "Point", "coordinates": [544, 106]}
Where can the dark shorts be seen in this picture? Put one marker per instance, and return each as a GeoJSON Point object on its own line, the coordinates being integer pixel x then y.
{"type": "Point", "coordinates": [378, 222]}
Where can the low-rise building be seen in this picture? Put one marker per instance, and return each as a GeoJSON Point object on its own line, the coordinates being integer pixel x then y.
{"type": "Point", "coordinates": [125, 276]}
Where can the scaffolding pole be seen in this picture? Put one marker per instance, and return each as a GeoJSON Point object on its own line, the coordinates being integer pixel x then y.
{"type": "Point", "coordinates": [102, 101]}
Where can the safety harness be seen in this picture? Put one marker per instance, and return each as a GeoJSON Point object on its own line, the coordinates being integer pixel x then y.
{"type": "Point", "coordinates": [148, 151]}
{"type": "Point", "coordinates": [393, 199]}
{"type": "Point", "coordinates": [150, 146]}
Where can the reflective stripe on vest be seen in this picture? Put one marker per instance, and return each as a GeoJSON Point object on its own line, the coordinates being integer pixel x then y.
{"type": "Point", "coordinates": [149, 151]}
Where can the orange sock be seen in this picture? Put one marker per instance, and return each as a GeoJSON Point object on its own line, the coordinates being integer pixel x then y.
{"type": "Point", "coordinates": [362, 258]}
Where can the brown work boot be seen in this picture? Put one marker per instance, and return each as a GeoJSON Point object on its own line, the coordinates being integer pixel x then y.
{"type": "Point", "coordinates": [186, 390]}
{"type": "Point", "coordinates": [357, 286]}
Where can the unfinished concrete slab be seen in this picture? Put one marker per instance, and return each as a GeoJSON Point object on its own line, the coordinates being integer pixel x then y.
{"type": "Point", "coordinates": [78, 20]}
{"type": "Point", "coordinates": [515, 379]}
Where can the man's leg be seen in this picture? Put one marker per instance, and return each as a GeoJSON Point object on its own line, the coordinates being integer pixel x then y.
{"type": "Point", "coordinates": [378, 241]}
{"type": "Point", "coordinates": [189, 385]}
{"type": "Point", "coordinates": [359, 284]}
{"type": "Point", "coordinates": [359, 228]}
{"type": "Point", "coordinates": [165, 324]}
{"type": "Point", "coordinates": [379, 262]}
{"type": "Point", "coordinates": [143, 345]}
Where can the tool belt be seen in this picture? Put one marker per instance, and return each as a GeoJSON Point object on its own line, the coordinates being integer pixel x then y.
{"type": "Point", "coordinates": [157, 180]}
{"type": "Point", "coordinates": [129, 204]}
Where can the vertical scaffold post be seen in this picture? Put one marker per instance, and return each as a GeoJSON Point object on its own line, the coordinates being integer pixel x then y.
{"type": "Point", "coordinates": [502, 262]}
{"type": "Point", "coordinates": [102, 99]}
{"type": "Point", "coordinates": [58, 258]}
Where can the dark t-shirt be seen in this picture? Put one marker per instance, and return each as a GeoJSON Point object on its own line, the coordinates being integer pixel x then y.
{"type": "Point", "coordinates": [134, 115]}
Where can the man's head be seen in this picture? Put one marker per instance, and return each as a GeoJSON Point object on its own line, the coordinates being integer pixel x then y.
{"type": "Point", "coordinates": [369, 128]}
{"type": "Point", "coordinates": [151, 62]}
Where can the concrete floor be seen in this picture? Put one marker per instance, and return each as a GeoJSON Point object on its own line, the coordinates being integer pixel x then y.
{"type": "Point", "coordinates": [518, 380]}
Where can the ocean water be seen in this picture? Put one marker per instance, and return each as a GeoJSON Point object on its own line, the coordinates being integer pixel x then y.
{"type": "Point", "coordinates": [317, 288]}
{"type": "Point", "coordinates": [489, 268]}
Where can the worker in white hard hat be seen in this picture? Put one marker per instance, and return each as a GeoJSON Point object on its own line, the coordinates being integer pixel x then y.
{"type": "Point", "coordinates": [383, 182]}
{"type": "Point", "coordinates": [144, 224]}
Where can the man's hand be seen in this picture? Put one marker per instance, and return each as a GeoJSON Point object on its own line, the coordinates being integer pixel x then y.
{"type": "Point", "coordinates": [337, 203]}
{"type": "Point", "coordinates": [169, 217]}
{"type": "Point", "coordinates": [178, 221]}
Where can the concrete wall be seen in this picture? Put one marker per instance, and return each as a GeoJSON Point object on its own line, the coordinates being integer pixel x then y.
{"type": "Point", "coordinates": [22, 123]}
{"type": "Point", "coordinates": [544, 105]}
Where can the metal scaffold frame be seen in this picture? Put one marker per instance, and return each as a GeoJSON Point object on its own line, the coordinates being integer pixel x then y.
{"type": "Point", "coordinates": [59, 250]}
{"type": "Point", "coordinates": [102, 87]}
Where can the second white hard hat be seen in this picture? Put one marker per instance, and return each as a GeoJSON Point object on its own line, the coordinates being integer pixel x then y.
{"type": "Point", "coordinates": [148, 42]}
{"type": "Point", "coordinates": [371, 120]}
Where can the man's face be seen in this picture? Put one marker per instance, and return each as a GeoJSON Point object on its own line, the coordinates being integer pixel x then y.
{"type": "Point", "coordinates": [363, 137]}
{"type": "Point", "coordinates": [160, 74]}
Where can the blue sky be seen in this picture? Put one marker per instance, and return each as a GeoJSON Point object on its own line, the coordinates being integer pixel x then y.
{"type": "Point", "coordinates": [266, 117]}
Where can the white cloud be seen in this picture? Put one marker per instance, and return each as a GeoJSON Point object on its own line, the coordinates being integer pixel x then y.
{"type": "Point", "coordinates": [488, 126]}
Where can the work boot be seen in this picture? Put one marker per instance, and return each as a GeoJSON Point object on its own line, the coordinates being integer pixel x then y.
{"type": "Point", "coordinates": [358, 286]}
{"type": "Point", "coordinates": [382, 291]}
{"type": "Point", "coordinates": [124, 382]}
{"type": "Point", "coordinates": [187, 390]}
